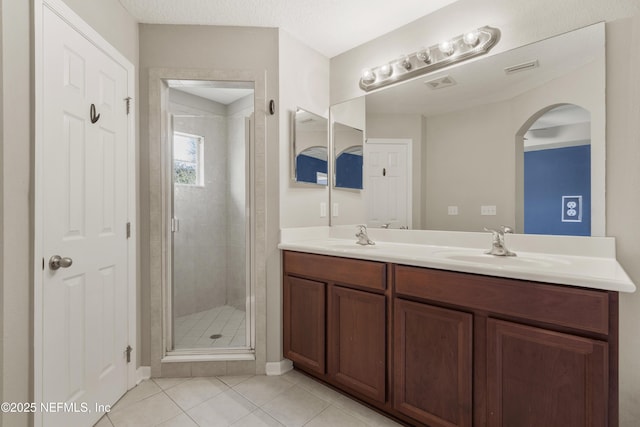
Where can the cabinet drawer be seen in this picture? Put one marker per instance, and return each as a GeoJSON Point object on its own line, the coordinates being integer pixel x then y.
{"type": "Point", "coordinates": [366, 274]}
{"type": "Point", "coordinates": [575, 308]}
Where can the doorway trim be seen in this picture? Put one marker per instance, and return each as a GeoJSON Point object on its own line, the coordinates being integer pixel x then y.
{"type": "Point", "coordinates": [159, 228]}
{"type": "Point", "coordinates": [79, 25]}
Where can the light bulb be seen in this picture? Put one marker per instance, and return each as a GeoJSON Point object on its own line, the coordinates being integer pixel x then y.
{"type": "Point", "coordinates": [405, 62]}
{"type": "Point", "coordinates": [368, 76]}
{"type": "Point", "coordinates": [446, 47]}
{"type": "Point", "coordinates": [385, 70]}
{"type": "Point", "coordinates": [424, 56]}
{"type": "Point", "coordinates": [471, 38]}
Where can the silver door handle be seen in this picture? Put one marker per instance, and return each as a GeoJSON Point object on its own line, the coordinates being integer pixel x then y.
{"type": "Point", "coordinates": [56, 261]}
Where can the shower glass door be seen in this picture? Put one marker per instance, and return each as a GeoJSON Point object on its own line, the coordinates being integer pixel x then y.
{"type": "Point", "coordinates": [210, 134]}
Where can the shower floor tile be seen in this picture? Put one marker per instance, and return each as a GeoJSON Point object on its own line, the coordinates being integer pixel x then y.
{"type": "Point", "coordinates": [195, 330]}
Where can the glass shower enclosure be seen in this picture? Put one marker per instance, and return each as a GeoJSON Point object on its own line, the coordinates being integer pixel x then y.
{"type": "Point", "coordinates": [210, 291]}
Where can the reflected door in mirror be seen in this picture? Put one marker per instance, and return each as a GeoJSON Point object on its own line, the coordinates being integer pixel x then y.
{"type": "Point", "coordinates": [388, 194]}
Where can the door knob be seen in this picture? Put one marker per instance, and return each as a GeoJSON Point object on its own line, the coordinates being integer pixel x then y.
{"type": "Point", "coordinates": [56, 261]}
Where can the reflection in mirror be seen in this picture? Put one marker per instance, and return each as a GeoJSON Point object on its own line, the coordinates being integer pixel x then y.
{"type": "Point", "coordinates": [557, 171]}
{"type": "Point", "coordinates": [467, 127]}
{"type": "Point", "coordinates": [347, 205]}
{"type": "Point", "coordinates": [311, 165]}
{"type": "Point", "coordinates": [210, 133]}
{"type": "Point", "coordinates": [348, 159]}
{"type": "Point", "coordinates": [309, 153]}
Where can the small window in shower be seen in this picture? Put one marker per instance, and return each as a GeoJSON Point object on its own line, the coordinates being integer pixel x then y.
{"type": "Point", "coordinates": [187, 159]}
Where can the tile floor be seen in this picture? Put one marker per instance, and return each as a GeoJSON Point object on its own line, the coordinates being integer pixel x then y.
{"type": "Point", "coordinates": [292, 399]}
{"type": "Point", "coordinates": [195, 330]}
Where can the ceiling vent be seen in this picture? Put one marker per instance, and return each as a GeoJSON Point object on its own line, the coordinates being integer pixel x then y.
{"type": "Point", "coordinates": [530, 65]}
{"type": "Point", "coordinates": [441, 82]}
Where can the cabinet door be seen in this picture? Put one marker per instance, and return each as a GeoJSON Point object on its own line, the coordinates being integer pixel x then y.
{"type": "Point", "coordinates": [357, 340]}
{"type": "Point", "coordinates": [433, 364]}
{"type": "Point", "coordinates": [538, 377]}
{"type": "Point", "coordinates": [304, 323]}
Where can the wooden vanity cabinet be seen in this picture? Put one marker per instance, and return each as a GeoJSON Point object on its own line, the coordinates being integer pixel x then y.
{"type": "Point", "coordinates": [542, 355]}
{"type": "Point", "coordinates": [433, 364]}
{"type": "Point", "coordinates": [304, 320]}
{"type": "Point", "coordinates": [538, 377]}
{"type": "Point", "coordinates": [446, 349]}
{"type": "Point", "coordinates": [341, 320]}
{"type": "Point", "coordinates": [356, 348]}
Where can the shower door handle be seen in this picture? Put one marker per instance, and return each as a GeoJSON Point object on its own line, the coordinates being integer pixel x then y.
{"type": "Point", "coordinates": [175, 225]}
{"type": "Point", "coordinates": [56, 262]}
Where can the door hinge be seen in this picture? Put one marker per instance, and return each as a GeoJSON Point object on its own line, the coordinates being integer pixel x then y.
{"type": "Point", "coordinates": [128, 230]}
{"type": "Point", "coordinates": [128, 351]}
{"type": "Point", "coordinates": [128, 101]}
{"type": "Point", "coordinates": [175, 225]}
{"type": "Point", "coordinates": [42, 264]}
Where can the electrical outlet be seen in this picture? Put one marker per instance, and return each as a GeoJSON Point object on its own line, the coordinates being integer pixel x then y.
{"type": "Point", "coordinates": [452, 210]}
{"type": "Point", "coordinates": [323, 209]}
{"type": "Point", "coordinates": [571, 208]}
{"type": "Point", "coordinates": [488, 210]}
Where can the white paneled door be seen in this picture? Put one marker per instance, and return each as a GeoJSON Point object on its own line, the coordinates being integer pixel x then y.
{"type": "Point", "coordinates": [387, 182]}
{"type": "Point", "coordinates": [84, 210]}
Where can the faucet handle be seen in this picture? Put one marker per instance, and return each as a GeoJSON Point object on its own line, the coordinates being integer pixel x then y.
{"type": "Point", "coordinates": [506, 229]}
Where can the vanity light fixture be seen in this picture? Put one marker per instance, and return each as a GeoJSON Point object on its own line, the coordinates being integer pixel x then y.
{"type": "Point", "coordinates": [446, 47]}
{"type": "Point", "coordinates": [465, 46]}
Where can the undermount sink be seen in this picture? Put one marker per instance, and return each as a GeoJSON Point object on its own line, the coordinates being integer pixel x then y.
{"type": "Point", "coordinates": [497, 261]}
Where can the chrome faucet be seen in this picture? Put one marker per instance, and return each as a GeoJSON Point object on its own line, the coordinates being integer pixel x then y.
{"type": "Point", "coordinates": [363, 238]}
{"type": "Point", "coordinates": [386, 225]}
{"type": "Point", "coordinates": [498, 248]}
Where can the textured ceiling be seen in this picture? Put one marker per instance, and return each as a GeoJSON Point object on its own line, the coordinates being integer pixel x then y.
{"type": "Point", "coordinates": [329, 26]}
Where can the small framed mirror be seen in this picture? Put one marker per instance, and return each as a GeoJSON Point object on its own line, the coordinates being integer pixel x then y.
{"type": "Point", "coordinates": [348, 147]}
{"type": "Point", "coordinates": [309, 160]}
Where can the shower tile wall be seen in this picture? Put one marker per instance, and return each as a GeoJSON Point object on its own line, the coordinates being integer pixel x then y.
{"type": "Point", "coordinates": [236, 151]}
{"type": "Point", "coordinates": [200, 245]}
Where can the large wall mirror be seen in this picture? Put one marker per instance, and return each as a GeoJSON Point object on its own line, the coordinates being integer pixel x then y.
{"type": "Point", "coordinates": [309, 152]}
{"type": "Point", "coordinates": [516, 138]}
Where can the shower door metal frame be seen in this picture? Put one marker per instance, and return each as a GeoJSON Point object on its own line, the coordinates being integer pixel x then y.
{"type": "Point", "coordinates": [160, 220]}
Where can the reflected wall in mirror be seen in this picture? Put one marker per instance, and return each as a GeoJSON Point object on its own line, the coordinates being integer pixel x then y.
{"type": "Point", "coordinates": [348, 156]}
{"type": "Point", "coordinates": [556, 172]}
{"type": "Point", "coordinates": [468, 123]}
{"type": "Point", "coordinates": [309, 148]}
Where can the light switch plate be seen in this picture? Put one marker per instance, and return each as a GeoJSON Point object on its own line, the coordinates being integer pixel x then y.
{"type": "Point", "coordinates": [323, 209]}
{"type": "Point", "coordinates": [334, 210]}
{"type": "Point", "coordinates": [452, 210]}
{"type": "Point", "coordinates": [488, 210]}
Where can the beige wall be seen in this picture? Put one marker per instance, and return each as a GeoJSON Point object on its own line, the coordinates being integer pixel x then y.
{"type": "Point", "coordinates": [304, 83]}
{"type": "Point", "coordinates": [304, 77]}
{"type": "Point", "coordinates": [524, 22]}
{"type": "Point", "coordinates": [623, 197]}
{"type": "Point", "coordinates": [208, 48]}
{"type": "Point", "coordinates": [115, 25]}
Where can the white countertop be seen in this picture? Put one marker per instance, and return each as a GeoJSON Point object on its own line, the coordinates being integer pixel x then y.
{"type": "Point", "coordinates": [587, 262]}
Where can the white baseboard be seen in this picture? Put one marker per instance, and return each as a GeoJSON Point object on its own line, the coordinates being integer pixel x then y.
{"type": "Point", "coordinates": [143, 373]}
{"type": "Point", "coordinates": [279, 368]}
